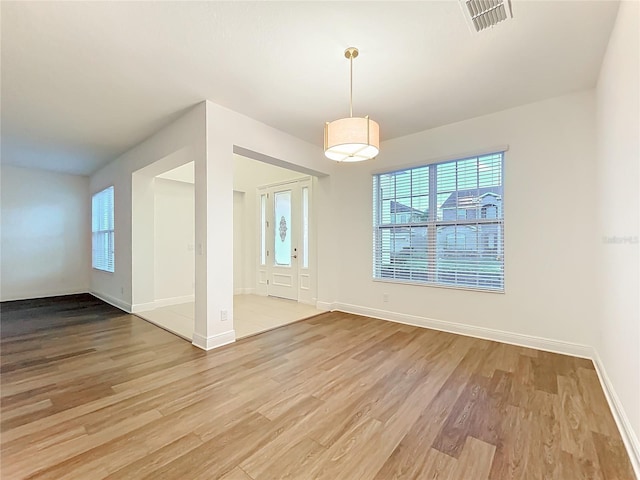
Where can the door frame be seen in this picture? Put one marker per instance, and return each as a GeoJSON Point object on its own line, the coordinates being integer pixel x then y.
{"type": "Point", "coordinates": [303, 267]}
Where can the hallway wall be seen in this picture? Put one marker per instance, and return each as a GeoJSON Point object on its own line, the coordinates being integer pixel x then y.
{"type": "Point", "coordinates": [174, 241]}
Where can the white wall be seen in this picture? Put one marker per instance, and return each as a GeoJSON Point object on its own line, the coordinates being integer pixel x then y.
{"type": "Point", "coordinates": [549, 224]}
{"type": "Point", "coordinates": [174, 240]}
{"type": "Point", "coordinates": [226, 130]}
{"type": "Point", "coordinates": [206, 135]}
{"type": "Point", "coordinates": [46, 233]}
{"type": "Point", "coordinates": [618, 196]}
{"type": "Point", "coordinates": [551, 193]}
{"type": "Point", "coordinates": [181, 142]}
{"type": "Point", "coordinates": [248, 175]}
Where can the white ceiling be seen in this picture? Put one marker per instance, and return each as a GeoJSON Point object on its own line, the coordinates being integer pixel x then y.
{"type": "Point", "coordinates": [241, 166]}
{"type": "Point", "coordinates": [82, 82]}
{"type": "Point", "coordinates": [184, 173]}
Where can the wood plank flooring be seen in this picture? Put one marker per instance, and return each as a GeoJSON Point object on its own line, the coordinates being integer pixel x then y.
{"type": "Point", "coordinates": [91, 392]}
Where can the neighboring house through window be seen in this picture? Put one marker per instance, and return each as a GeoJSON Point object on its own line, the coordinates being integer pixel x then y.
{"type": "Point", "coordinates": [441, 224]}
{"type": "Point", "coordinates": [102, 231]}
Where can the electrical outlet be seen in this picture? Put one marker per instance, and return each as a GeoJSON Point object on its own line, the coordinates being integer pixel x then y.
{"type": "Point", "coordinates": [385, 297]}
{"type": "Point", "coordinates": [224, 316]}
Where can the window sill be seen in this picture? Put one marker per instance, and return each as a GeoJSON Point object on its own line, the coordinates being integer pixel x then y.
{"type": "Point", "coordinates": [102, 271]}
{"type": "Point", "coordinates": [436, 285]}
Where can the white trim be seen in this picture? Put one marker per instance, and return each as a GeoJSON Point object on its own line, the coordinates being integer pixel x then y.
{"type": "Point", "coordinates": [143, 307]}
{"type": "Point", "coordinates": [325, 306]}
{"type": "Point", "coordinates": [445, 158]}
{"type": "Point", "coordinates": [437, 285]}
{"type": "Point", "coordinates": [116, 302]}
{"type": "Point", "coordinates": [44, 294]}
{"type": "Point", "coordinates": [530, 341]}
{"type": "Point", "coordinates": [162, 302]}
{"type": "Point", "coordinates": [244, 291]}
{"type": "Point", "coordinates": [311, 302]}
{"type": "Point", "coordinates": [215, 341]}
{"type": "Point", "coordinates": [165, 302]}
{"type": "Point", "coordinates": [627, 433]}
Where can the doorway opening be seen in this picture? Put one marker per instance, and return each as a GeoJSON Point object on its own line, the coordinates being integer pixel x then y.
{"type": "Point", "coordinates": [274, 246]}
{"type": "Point", "coordinates": [163, 229]}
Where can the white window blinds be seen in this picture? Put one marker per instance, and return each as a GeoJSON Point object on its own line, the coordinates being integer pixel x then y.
{"type": "Point", "coordinates": [102, 230]}
{"type": "Point", "coordinates": [441, 224]}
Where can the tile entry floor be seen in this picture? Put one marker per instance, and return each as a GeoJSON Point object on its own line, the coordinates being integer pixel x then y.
{"type": "Point", "coordinates": [255, 314]}
{"type": "Point", "coordinates": [176, 319]}
{"type": "Point", "coordinates": [252, 314]}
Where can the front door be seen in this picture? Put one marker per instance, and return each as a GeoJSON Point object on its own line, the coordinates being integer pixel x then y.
{"type": "Point", "coordinates": [283, 276]}
{"type": "Point", "coordinates": [283, 259]}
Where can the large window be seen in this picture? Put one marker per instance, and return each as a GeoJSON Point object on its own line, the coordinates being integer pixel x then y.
{"type": "Point", "coordinates": [441, 224]}
{"type": "Point", "coordinates": [102, 237]}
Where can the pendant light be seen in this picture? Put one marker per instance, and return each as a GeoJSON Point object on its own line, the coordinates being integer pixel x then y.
{"type": "Point", "coordinates": [351, 139]}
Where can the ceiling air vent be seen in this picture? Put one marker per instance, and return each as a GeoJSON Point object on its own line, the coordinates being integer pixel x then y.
{"type": "Point", "coordinates": [484, 14]}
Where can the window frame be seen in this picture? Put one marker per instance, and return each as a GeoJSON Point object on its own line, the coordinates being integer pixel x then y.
{"type": "Point", "coordinates": [109, 233]}
{"type": "Point", "coordinates": [433, 223]}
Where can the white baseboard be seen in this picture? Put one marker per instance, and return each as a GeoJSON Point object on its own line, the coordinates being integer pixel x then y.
{"type": "Point", "coordinates": [325, 306]}
{"type": "Point", "coordinates": [530, 341]}
{"type": "Point", "coordinates": [162, 302]}
{"type": "Point", "coordinates": [116, 302]}
{"type": "Point", "coordinates": [311, 302]}
{"type": "Point", "coordinates": [244, 291]}
{"type": "Point", "coordinates": [215, 341]}
{"type": "Point", "coordinates": [165, 302]}
{"type": "Point", "coordinates": [629, 437]}
{"type": "Point", "coordinates": [142, 307]}
{"type": "Point", "coordinates": [43, 294]}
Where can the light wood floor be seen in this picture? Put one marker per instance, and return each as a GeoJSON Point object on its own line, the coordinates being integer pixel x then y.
{"type": "Point", "coordinates": [90, 392]}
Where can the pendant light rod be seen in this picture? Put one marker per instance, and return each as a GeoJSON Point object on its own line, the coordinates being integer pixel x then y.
{"type": "Point", "coordinates": [351, 53]}
{"type": "Point", "coordinates": [351, 87]}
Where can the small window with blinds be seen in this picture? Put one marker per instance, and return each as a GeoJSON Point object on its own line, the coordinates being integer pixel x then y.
{"type": "Point", "coordinates": [102, 231]}
{"type": "Point", "coordinates": [441, 224]}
